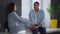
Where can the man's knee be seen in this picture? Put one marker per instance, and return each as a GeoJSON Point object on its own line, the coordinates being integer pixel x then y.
{"type": "Point", "coordinates": [42, 29]}
{"type": "Point", "coordinates": [35, 31]}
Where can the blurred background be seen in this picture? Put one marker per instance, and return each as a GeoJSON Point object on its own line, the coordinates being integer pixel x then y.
{"type": "Point", "coordinates": [50, 7]}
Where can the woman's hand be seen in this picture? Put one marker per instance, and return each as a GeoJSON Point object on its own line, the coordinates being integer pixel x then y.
{"type": "Point", "coordinates": [28, 30]}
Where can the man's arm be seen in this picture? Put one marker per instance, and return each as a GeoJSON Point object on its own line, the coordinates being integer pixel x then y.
{"type": "Point", "coordinates": [31, 17]}
{"type": "Point", "coordinates": [42, 18]}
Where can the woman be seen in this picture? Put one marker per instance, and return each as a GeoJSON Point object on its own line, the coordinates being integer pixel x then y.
{"type": "Point", "coordinates": [15, 22]}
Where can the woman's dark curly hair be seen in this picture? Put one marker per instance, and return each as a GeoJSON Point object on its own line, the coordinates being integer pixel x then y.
{"type": "Point", "coordinates": [11, 6]}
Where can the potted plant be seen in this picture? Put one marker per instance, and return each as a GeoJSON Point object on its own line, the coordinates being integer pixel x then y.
{"type": "Point", "coordinates": [53, 21]}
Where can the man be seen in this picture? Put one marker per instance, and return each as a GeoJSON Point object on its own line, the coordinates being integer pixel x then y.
{"type": "Point", "coordinates": [36, 17]}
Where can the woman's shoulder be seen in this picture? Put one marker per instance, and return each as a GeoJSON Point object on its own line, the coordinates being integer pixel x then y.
{"type": "Point", "coordinates": [10, 14]}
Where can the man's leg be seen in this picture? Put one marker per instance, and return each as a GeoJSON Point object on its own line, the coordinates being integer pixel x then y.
{"type": "Point", "coordinates": [35, 31]}
{"type": "Point", "coordinates": [42, 30]}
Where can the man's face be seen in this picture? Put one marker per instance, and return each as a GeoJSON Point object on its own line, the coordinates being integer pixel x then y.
{"type": "Point", "coordinates": [36, 6]}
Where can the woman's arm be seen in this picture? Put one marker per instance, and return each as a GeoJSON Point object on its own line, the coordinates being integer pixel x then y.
{"type": "Point", "coordinates": [20, 19]}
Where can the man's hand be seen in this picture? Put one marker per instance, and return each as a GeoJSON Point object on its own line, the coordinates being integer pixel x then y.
{"type": "Point", "coordinates": [35, 27]}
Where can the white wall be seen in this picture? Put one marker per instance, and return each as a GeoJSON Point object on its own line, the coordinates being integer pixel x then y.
{"type": "Point", "coordinates": [26, 7]}
{"type": "Point", "coordinates": [46, 3]}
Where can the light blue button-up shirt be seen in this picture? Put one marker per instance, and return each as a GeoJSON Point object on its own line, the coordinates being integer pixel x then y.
{"type": "Point", "coordinates": [40, 17]}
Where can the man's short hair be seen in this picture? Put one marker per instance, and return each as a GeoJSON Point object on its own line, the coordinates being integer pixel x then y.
{"type": "Point", "coordinates": [36, 2]}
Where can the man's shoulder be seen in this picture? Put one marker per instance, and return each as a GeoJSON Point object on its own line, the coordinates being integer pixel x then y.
{"type": "Point", "coordinates": [32, 10]}
{"type": "Point", "coordinates": [41, 10]}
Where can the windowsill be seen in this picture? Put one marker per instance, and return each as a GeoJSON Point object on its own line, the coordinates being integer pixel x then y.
{"type": "Point", "coordinates": [51, 30]}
